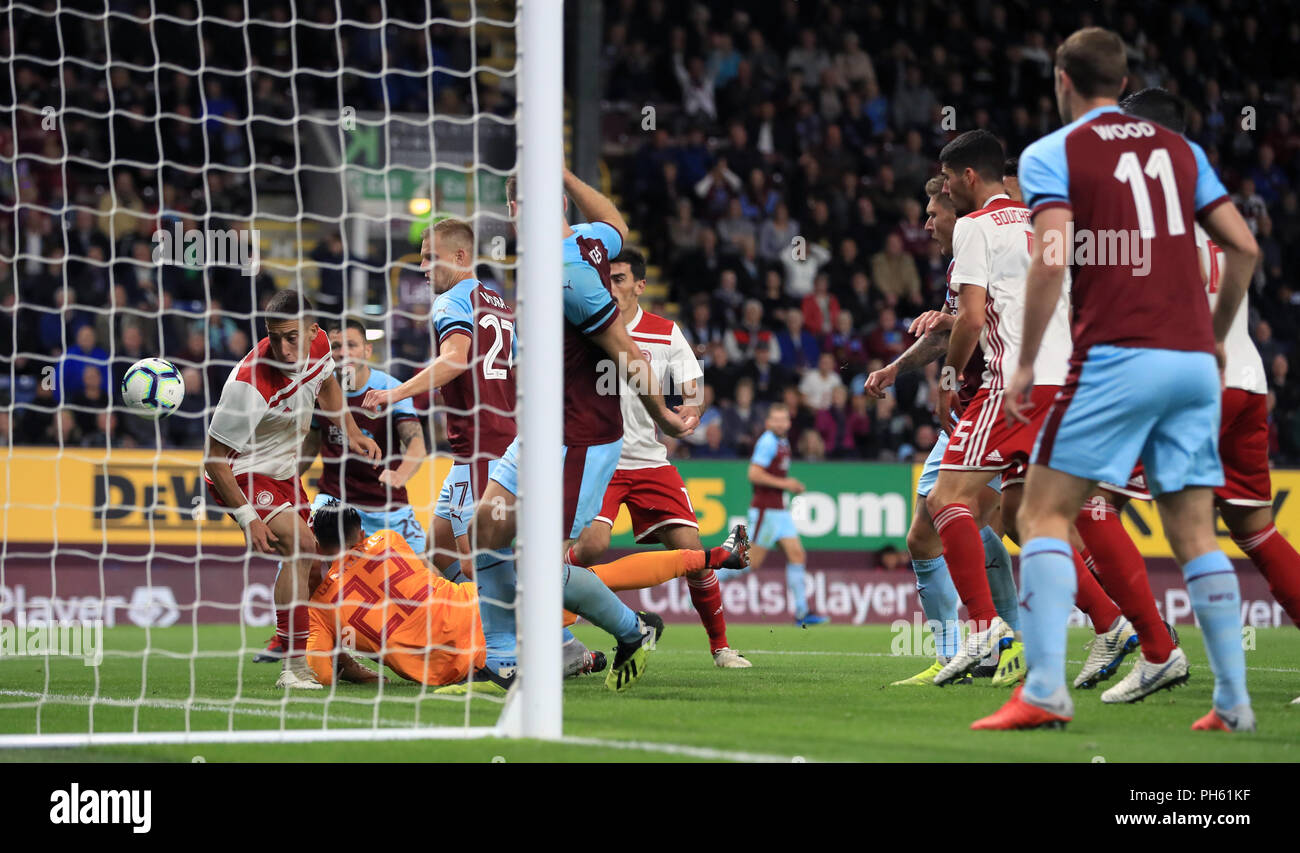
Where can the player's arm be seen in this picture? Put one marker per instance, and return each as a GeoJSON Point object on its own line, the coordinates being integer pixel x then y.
{"type": "Point", "coordinates": [1229, 231]}
{"type": "Point", "coordinates": [931, 345]}
{"type": "Point", "coordinates": [593, 204]}
{"type": "Point", "coordinates": [310, 450]}
{"type": "Point", "coordinates": [330, 400]}
{"type": "Point", "coordinates": [965, 337]}
{"type": "Point", "coordinates": [1042, 292]}
{"type": "Point", "coordinates": [217, 466]}
{"type": "Point", "coordinates": [413, 453]}
{"type": "Point", "coordinates": [618, 345]}
{"type": "Point", "coordinates": [759, 476]}
{"type": "Point", "coordinates": [452, 361]}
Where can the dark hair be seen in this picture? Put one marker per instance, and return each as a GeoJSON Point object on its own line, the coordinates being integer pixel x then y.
{"type": "Point", "coordinates": [1096, 62]}
{"type": "Point", "coordinates": [1158, 105]}
{"type": "Point", "coordinates": [333, 526]}
{"type": "Point", "coordinates": [350, 323]}
{"type": "Point", "coordinates": [978, 150]}
{"type": "Point", "coordinates": [512, 188]}
{"type": "Point", "coordinates": [635, 260]}
{"type": "Point", "coordinates": [1011, 168]}
{"type": "Point", "coordinates": [287, 304]}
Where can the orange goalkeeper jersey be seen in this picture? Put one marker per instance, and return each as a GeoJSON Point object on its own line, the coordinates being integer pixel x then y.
{"type": "Point", "coordinates": [386, 601]}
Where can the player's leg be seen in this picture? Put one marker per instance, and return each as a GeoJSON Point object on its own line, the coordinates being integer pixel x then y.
{"type": "Point", "coordinates": [1181, 456]}
{"type": "Point", "coordinates": [1253, 530]}
{"type": "Point", "coordinates": [1246, 498]}
{"type": "Point", "coordinates": [592, 543]}
{"type": "Point", "coordinates": [706, 597]}
{"type": "Point", "coordinates": [297, 547]}
{"type": "Point", "coordinates": [762, 538]}
{"type": "Point", "coordinates": [587, 473]}
{"type": "Point", "coordinates": [934, 587]}
{"type": "Point", "coordinates": [997, 559]}
{"type": "Point", "coordinates": [796, 571]}
{"type": "Point", "coordinates": [1188, 520]}
{"type": "Point", "coordinates": [494, 563]}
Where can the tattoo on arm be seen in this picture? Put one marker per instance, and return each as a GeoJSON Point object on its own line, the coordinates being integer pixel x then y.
{"type": "Point", "coordinates": [406, 430]}
{"type": "Point", "coordinates": [927, 349]}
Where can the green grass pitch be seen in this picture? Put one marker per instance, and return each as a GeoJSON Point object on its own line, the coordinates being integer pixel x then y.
{"type": "Point", "coordinates": [818, 694]}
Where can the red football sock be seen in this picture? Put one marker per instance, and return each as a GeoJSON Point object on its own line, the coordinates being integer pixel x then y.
{"type": "Point", "coordinates": [1123, 575]}
{"type": "Point", "coordinates": [1279, 563]}
{"type": "Point", "coordinates": [1091, 599]}
{"type": "Point", "coordinates": [293, 638]}
{"type": "Point", "coordinates": [706, 595]}
{"type": "Point", "coordinates": [964, 551]}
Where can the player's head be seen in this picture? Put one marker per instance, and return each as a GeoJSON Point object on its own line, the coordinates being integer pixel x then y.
{"type": "Point", "coordinates": [627, 278]}
{"type": "Point", "coordinates": [447, 254]}
{"type": "Point", "coordinates": [349, 343]}
{"type": "Point", "coordinates": [778, 419]}
{"type": "Point", "coordinates": [290, 327]}
{"type": "Point", "coordinates": [972, 165]}
{"type": "Point", "coordinates": [1158, 105]}
{"type": "Point", "coordinates": [337, 529]}
{"type": "Point", "coordinates": [1091, 66]}
{"type": "Point", "coordinates": [1011, 179]}
{"type": "Point", "coordinates": [940, 215]}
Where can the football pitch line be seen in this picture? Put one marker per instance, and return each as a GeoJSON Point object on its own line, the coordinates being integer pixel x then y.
{"type": "Point", "coordinates": [700, 752]}
{"type": "Point", "coordinates": [802, 653]}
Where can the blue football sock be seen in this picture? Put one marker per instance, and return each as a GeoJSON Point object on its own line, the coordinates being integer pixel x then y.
{"type": "Point", "coordinates": [454, 574]}
{"type": "Point", "coordinates": [1001, 582]}
{"type": "Point", "coordinates": [939, 603]}
{"type": "Point", "coordinates": [566, 635]}
{"type": "Point", "coordinates": [1216, 601]}
{"type": "Point", "coordinates": [728, 574]}
{"type": "Point", "coordinates": [586, 595]}
{"type": "Point", "coordinates": [1048, 587]}
{"type": "Point", "coordinates": [494, 573]}
{"type": "Point", "coordinates": [795, 582]}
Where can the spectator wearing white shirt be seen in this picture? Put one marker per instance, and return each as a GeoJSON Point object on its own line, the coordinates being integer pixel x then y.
{"type": "Point", "coordinates": [818, 385]}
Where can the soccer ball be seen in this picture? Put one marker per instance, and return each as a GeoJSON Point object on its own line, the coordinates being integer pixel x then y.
{"type": "Point", "coordinates": [152, 388]}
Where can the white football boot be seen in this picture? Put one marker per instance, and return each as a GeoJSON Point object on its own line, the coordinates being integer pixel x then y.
{"type": "Point", "coordinates": [728, 658]}
{"type": "Point", "coordinates": [1107, 652]}
{"type": "Point", "coordinates": [1146, 678]}
{"type": "Point", "coordinates": [977, 646]}
{"type": "Point", "coordinates": [298, 675]}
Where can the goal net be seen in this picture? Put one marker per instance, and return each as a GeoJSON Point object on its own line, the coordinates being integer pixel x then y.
{"type": "Point", "coordinates": [164, 170]}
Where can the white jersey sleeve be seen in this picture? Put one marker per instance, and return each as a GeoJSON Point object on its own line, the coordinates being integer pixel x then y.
{"type": "Point", "coordinates": [1244, 368]}
{"type": "Point", "coordinates": [664, 347]}
{"type": "Point", "coordinates": [994, 253]}
{"type": "Point", "coordinates": [240, 410]}
{"type": "Point", "coordinates": [683, 366]}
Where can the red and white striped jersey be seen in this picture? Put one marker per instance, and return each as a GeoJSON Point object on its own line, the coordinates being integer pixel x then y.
{"type": "Point", "coordinates": [991, 249]}
{"type": "Point", "coordinates": [264, 412]}
{"type": "Point", "coordinates": [665, 349]}
{"type": "Point", "coordinates": [1244, 368]}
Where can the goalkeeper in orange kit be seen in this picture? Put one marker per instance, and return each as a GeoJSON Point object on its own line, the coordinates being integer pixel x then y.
{"type": "Point", "coordinates": [376, 596]}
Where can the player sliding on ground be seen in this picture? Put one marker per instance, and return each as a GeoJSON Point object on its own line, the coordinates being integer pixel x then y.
{"type": "Point", "coordinates": [645, 482]}
{"type": "Point", "coordinates": [1143, 384]}
{"type": "Point", "coordinates": [380, 595]}
{"type": "Point", "coordinates": [934, 585]}
{"type": "Point", "coordinates": [594, 340]}
{"type": "Point", "coordinates": [251, 461]}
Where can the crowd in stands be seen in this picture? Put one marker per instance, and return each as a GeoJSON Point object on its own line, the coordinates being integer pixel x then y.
{"type": "Point", "coordinates": [778, 190]}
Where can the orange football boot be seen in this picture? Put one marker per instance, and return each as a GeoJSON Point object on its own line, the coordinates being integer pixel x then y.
{"type": "Point", "coordinates": [1214, 722]}
{"type": "Point", "coordinates": [1019, 714]}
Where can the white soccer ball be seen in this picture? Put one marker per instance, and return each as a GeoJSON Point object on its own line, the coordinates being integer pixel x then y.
{"type": "Point", "coordinates": [152, 388]}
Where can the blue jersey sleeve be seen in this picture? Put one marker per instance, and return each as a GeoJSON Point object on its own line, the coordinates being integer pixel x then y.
{"type": "Point", "coordinates": [1044, 172]}
{"type": "Point", "coordinates": [453, 312]}
{"type": "Point", "coordinates": [405, 408]}
{"type": "Point", "coordinates": [1208, 186]}
{"type": "Point", "coordinates": [587, 304]}
{"type": "Point", "coordinates": [764, 450]}
{"type": "Point", "coordinates": [605, 233]}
